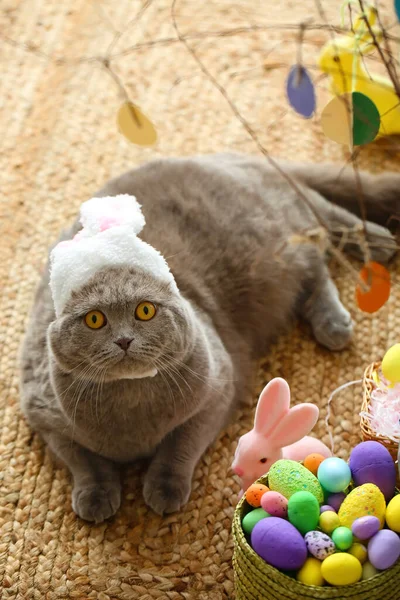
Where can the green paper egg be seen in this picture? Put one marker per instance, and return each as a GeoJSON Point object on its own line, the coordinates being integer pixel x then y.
{"type": "Point", "coordinates": [303, 511]}
{"type": "Point", "coordinates": [252, 518]}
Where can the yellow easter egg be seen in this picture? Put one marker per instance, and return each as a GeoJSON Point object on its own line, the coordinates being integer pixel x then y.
{"type": "Point", "coordinates": [365, 500]}
{"type": "Point", "coordinates": [310, 572]}
{"type": "Point", "coordinates": [329, 521]}
{"type": "Point", "coordinates": [341, 569]}
{"type": "Point", "coordinates": [359, 551]}
{"type": "Point", "coordinates": [391, 364]}
{"type": "Point", "coordinates": [393, 514]}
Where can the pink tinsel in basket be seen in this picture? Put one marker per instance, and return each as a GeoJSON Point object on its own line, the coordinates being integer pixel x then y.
{"type": "Point", "coordinates": [384, 409]}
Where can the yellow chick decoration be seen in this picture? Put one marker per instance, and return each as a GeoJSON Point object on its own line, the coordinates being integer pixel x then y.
{"type": "Point", "coordinates": [341, 59]}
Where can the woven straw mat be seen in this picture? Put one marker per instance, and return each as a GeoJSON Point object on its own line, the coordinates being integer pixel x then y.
{"type": "Point", "coordinates": [59, 145]}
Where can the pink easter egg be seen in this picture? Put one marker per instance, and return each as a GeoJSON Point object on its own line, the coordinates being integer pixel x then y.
{"type": "Point", "coordinates": [276, 503]}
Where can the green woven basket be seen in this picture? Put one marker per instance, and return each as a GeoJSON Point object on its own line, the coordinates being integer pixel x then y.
{"type": "Point", "coordinates": [256, 580]}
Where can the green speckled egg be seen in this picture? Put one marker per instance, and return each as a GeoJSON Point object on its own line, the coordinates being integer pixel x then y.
{"type": "Point", "coordinates": [365, 500]}
{"type": "Point", "coordinates": [288, 477]}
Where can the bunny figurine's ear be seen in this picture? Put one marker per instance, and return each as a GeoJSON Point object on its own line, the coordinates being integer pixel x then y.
{"type": "Point", "coordinates": [296, 424]}
{"type": "Point", "coordinates": [273, 405]}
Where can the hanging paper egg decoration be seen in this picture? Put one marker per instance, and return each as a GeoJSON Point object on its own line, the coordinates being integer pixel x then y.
{"type": "Point", "coordinates": [351, 119]}
{"type": "Point", "coordinates": [300, 91]}
{"type": "Point", "coordinates": [377, 280]}
{"type": "Point", "coordinates": [135, 126]}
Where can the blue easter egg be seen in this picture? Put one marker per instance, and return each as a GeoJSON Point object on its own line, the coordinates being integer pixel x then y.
{"type": "Point", "coordinates": [334, 474]}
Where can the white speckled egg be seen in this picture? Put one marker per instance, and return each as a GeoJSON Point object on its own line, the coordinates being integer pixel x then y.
{"type": "Point", "coordinates": [319, 544]}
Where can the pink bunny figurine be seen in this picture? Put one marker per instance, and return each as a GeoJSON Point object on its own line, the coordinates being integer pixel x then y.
{"type": "Point", "coordinates": [278, 432]}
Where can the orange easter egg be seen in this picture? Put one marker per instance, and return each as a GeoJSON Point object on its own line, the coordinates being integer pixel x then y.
{"type": "Point", "coordinates": [377, 280]}
{"type": "Point", "coordinates": [254, 492]}
{"type": "Point", "coordinates": [312, 462]}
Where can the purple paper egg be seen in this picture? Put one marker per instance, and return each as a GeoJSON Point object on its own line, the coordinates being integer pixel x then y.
{"type": "Point", "coordinates": [335, 500]}
{"type": "Point", "coordinates": [370, 462]}
{"type": "Point", "coordinates": [325, 508]}
{"type": "Point", "coordinates": [279, 544]}
{"type": "Point", "coordinates": [300, 91]}
{"type": "Point", "coordinates": [384, 549]}
{"type": "Point", "coordinates": [365, 527]}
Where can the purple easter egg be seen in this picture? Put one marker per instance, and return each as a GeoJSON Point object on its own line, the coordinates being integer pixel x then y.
{"type": "Point", "coordinates": [370, 462]}
{"type": "Point", "coordinates": [300, 91]}
{"type": "Point", "coordinates": [384, 549]}
{"type": "Point", "coordinates": [335, 500]}
{"type": "Point", "coordinates": [279, 544]}
{"type": "Point", "coordinates": [326, 508]}
{"type": "Point", "coordinates": [365, 527]}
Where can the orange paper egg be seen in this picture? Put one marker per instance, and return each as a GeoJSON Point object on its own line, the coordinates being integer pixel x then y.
{"type": "Point", "coordinates": [312, 462]}
{"type": "Point", "coordinates": [254, 492]}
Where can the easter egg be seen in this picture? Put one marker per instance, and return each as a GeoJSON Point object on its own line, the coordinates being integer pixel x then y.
{"type": "Point", "coordinates": [310, 572]}
{"type": "Point", "coordinates": [254, 493]}
{"type": "Point", "coordinates": [303, 511]}
{"type": "Point", "coordinates": [391, 364]}
{"type": "Point", "coordinates": [370, 462]}
{"type": "Point", "coordinates": [288, 477]}
{"type": "Point", "coordinates": [342, 537]}
{"type": "Point", "coordinates": [359, 551]}
{"type": "Point", "coordinates": [341, 569]}
{"type": "Point", "coordinates": [329, 521]}
{"type": "Point", "coordinates": [384, 549]}
{"type": "Point", "coordinates": [326, 507]}
{"type": "Point", "coordinates": [335, 500]}
{"type": "Point", "coordinates": [368, 571]}
{"type": "Point", "coordinates": [275, 504]}
{"type": "Point", "coordinates": [393, 514]}
{"type": "Point", "coordinates": [365, 527]}
{"type": "Point", "coordinates": [365, 500]}
{"type": "Point", "coordinates": [279, 544]}
{"type": "Point", "coordinates": [312, 462]}
{"type": "Point", "coordinates": [249, 521]}
{"type": "Point", "coordinates": [319, 544]}
{"type": "Point", "coordinates": [334, 474]}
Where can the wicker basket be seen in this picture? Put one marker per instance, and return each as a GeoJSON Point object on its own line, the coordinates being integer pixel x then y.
{"type": "Point", "coordinates": [367, 432]}
{"type": "Point", "coordinates": [256, 580]}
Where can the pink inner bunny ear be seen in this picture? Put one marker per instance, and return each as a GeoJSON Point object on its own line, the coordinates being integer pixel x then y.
{"type": "Point", "coordinates": [272, 405]}
{"type": "Point", "coordinates": [297, 423]}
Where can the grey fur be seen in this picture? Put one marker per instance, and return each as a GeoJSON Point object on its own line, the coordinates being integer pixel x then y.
{"type": "Point", "coordinates": [222, 222]}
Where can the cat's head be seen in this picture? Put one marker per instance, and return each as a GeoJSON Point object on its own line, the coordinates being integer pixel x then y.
{"type": "Point", "coordinates": [122, 324]}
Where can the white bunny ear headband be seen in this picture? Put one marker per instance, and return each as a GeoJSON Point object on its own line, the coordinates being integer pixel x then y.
{"type": "Point", "coordinates": [108, 238]}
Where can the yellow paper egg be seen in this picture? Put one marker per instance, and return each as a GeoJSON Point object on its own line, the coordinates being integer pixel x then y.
{"type": "Point", "coordinates": [368, 571]}
{"type": "Point", "coordinates": [310, 572]}
{"type": "Point", "coordinates": [391, 364]}
{"type": "Point", "coordinates": [365, 500]}
{"type": "Point", "coordinates": [359, 551]}
{"type": "Point", "coordinates": [393, 514]}
{"type": "Point", "coordinates": [341, 569]}
{"type": "Point", "coordinates": [329, 521]}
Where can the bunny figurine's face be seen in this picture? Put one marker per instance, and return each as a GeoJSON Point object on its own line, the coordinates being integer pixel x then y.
{"type": "Point", "coordinates": [254, 456]}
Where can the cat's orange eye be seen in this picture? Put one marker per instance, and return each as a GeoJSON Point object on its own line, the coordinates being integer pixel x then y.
{"type": "Point", "coordinates": [95, 319]}
{"type": "Point", "coordinates": [145, 311]}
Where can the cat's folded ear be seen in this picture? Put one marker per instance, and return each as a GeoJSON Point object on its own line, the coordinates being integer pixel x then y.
{"type": "Point", "coordinates": [273, 405]}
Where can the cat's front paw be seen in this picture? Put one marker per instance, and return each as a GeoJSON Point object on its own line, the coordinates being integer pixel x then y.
{"type": "Point", "coordinates": [166, 492]}
{"type": "Point", "coordinates": [96, 502]}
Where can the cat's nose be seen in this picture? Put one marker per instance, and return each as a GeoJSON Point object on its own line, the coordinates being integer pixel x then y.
{"type": "Point", "coordinates": [124, 343]}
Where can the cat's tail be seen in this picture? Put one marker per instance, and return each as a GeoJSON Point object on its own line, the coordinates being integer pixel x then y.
{"type": "Point", "coordinates": [381, 193]}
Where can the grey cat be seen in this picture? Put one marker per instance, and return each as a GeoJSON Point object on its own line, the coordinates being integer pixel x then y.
{"type": "Point", "coordinates": [223, 223]}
